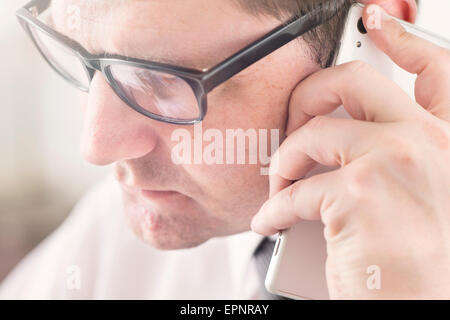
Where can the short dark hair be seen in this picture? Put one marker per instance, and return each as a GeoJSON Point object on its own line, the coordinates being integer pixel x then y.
{"type": "Point", "coordinates": [323, 40]}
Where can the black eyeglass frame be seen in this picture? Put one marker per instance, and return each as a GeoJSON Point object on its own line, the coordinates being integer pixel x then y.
{"type": "Point", "coordinates": [201, 82]}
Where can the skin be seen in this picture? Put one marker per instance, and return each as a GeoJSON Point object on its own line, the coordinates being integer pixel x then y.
{"type": "Point", "coordinates": [389, 203]}
{"type": "Point", "coordinates": [140, 148]}
{"type": "Point", "coordinates": [389, 174]}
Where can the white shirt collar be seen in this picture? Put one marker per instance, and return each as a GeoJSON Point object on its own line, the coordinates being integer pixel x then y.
{"type": "Point", "coordinates": [241, 248]}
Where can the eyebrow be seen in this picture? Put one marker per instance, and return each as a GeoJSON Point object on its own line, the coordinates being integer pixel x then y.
{"type": "Point", "coordinates": [172, 60]}
{"type": "Point", "coordinates": [200, 64]}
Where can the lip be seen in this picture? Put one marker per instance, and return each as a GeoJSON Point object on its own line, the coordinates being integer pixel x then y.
{"type": "Point", "coordinates": [150, 194]}
{"type": "Point", "coordinates": [158, 195]}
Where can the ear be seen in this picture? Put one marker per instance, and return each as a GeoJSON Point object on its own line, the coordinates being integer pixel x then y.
{"type": "Point", "coordinates": [403, 9]}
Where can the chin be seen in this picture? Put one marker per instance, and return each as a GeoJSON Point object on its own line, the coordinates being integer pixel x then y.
{"type": "Point", "coordinates": [168, 229]}
{"type": "Point", "coordinates": [168, 242]}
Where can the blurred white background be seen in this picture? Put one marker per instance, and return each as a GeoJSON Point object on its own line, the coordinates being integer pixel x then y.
{"type": "Point", "coordinates": [42, 173]}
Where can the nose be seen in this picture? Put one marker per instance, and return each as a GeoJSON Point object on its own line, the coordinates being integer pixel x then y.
{"type": "Point", "coordinates": [112, 131]}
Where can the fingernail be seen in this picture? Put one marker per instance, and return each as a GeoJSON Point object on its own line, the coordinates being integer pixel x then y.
{"type": "Point", "coordinates": [274, 164]}
{"type": "Point", "coordinates": [253, 223]}
{"type": "Point", "coordinates": [376, 15]}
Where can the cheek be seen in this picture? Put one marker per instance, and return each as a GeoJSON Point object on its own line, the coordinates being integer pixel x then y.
{"type": "Point", "coordinates": [248, 103]}
{"type": "Point", "coordinates": [233, 189]}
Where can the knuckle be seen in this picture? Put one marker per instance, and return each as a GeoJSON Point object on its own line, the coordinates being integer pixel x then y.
{"type": "Point", "coordinates": [332, 230]}
{"type": "Point", "coordinates": [359, 67]}
{"type": "Point", "coordinates": [361, 177]}
{"type": "Point", "coordinates": [402, 152]}
{"type": "Point", "coordinates": [316, 124]}
{"type": "Point", "coordinates": [436, 135]}
{"type": "Point", "coordinates": [404, 36]}
{"type": "Point", "coordinates": [294, 190]}
{"type": "Point", "coordinates": [444, 55]}
{"type": "Point", "coordinates": [405, 160]}
{"type": "Point", "coordinates": [402, 43]}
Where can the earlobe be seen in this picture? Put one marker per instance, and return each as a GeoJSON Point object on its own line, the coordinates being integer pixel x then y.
{"type": "Point", "coordinates": [402, 9]}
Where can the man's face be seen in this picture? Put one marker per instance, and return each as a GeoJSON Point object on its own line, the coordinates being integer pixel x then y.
{"type": "Point", "coordinates": [190, 203]}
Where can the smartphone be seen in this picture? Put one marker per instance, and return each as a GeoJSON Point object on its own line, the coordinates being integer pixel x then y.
{"type": "Point", "coordinates": [297, 267]}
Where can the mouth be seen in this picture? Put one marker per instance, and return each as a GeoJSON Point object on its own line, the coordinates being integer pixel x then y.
{"type": "Point", "coordinates": [155, 195]}
{"type": "Point", "coordinates": [151, 194]}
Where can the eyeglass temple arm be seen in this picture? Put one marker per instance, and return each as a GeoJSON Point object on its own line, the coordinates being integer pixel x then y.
{"type": "Point", "coordinates": [263, 47]}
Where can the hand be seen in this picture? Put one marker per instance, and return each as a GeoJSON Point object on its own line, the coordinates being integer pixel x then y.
{"type": "Point", "coordinates": [389, 203]}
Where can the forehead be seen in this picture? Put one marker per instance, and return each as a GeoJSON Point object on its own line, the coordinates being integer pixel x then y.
{"type": "Point", "coordinates": [196, 33]}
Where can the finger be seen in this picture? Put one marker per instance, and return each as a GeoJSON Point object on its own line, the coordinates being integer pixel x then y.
{"type": "Point", "coordinates": [305, 199]}
{"type": "Point", "coordinates": [296, 115]}
{"type": "Point", "coordinates": [416, 55]}
{"type": "Point", "coordinates": [323, 140]}
{"type": "Point", "coordinates": [280, 180]}
{"type": "Point", "coordinates": [365, 93]}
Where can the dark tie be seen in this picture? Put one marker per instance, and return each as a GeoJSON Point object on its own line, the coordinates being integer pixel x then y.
{"type": "Point", "coordinates": [263, 254]}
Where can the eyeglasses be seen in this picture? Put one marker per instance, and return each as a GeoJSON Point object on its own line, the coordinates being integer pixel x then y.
{"type": "Point", "coordinates": [162, 92]}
